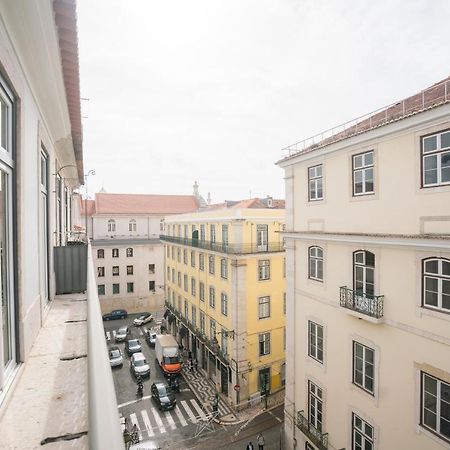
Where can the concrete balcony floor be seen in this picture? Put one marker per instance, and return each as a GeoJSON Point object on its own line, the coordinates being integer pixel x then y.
{"type": "Point", "coordinates": [50, 396]}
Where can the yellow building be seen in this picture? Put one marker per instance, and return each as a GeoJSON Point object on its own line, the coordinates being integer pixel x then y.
{"type": "Point", "coordinates": [225, 289]}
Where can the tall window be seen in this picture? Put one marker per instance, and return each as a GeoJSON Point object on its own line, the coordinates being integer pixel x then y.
{"type": "Point", "coordinates": [186, 309]}
{"type": "Point", "coordinates": [315, 263]}
{"type": "Point", "coordinates": [436, 159]}
{"type": "Point", "coordinates": [263, 307]}
{"type": "Point", "coordinates": [363, 367]}
{"type": "Point", "coordinates": [186, 231]}
{"type": "Point", "coordinates": [212, 328]}
{"type": "Point", "coordinates": [132, 225]}
{"type": "Point", "coordinates": [115, 252]}
{"type": "Point", "coordinates": [262, 236]}
{"type": "Point", "coordinates": [315, 183]}
{"type": "Point", "coordinates": [168, 273]}
{"type": "Point", "coordinates": [225, 235]}
{"type": "Point", "coordinates": [179, 279]}
{"type": "Point", "coordinates": [362, 434]}
{"type": "Point", "coordinates": [101, 289]}
{"type": "Point", "coordinates": [202, 233]}
{"type": "Point", "coordinates": [129, 270]}
{"type": "Point", "coordinates": [212, 232]}
{"type": "Point", "coordinates": [264, 269]}
{"type": "Point", "coordinates": [364, 273]}
{"type": "Point", "coordinates": [129, 252]}
{"type": "Point", "coordinates": [185, 282]}
{"type": "Point", "coordinates": [43, 210]}
{"type": "Point", "coordinates": [100, 253]}
{"type": "Point", "coordinates": [211, 264]}
{"type": "Point", "coordinates": [212, 297]}
{"type": "Point", "coordinates": [58, 188]}
{"type": "Point", "coordinates": [178, 255]}
{"type": "Point", "coordinates": [201, 261]}
{"type": "Point", "coordinates": [224, 268]}
{"type": "Point", "coordinates": [224, 304]}
{"type": "Point", "coordinates": [435, 414]}
{"type": "Point", "coordinates": [130, 287]}
{"type": "Point", "coordinates": [151, 286]}
{"type": "Point", "coordinates": [116, 288]}
{"type": "Point", "coordinates": [436, 284]}
{"type": "Point", "coordinates": [194, 316]}
{"type": "Point", "coordinates": [151, 268]}
{"type": "Point", "coordinates": [115, 271]}
{"type": "Point", "coordinates": [100, 271]}
{"type": "Point", "coordinates": [315, 405]}
{"type": "Point", "coordinates": [111, 226]}
{"type": "Point", "coordinates": [363, 173]}
{"type": "Point", "coordinates": [264, 344]}
{"type": "Point", "coordinates": [185, 257]}
{"type": "Point", "coordinates": [201, 289]}
{"type": "Point", "coordinates": [193, 287]}
{"type": "Point", "coordinates": [192, 258]}
{"type": "Point", "coordinates": [315, 341]}
{"type": "Point", "coordinates": [202, 322]}
{"type": "Point", "coordinates": [223, 341]}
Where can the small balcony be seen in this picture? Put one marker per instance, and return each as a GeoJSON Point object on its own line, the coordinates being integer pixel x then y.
{"type": "Point", "coordinates": [320, 440]}
{"type": "Point", "coordinates": [363, 306]}
{"type": "Point", "coordinates": [221, 247]}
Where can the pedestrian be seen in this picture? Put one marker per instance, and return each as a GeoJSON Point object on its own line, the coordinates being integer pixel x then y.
{"type": "Point", "coordinates": [195, 362]}
{"type": "Point", "coordinates": [250, 446]}
{"type": "Point", "coordinates": [191, 365]}
{"type": "Point", "coordinates": [260, 441]}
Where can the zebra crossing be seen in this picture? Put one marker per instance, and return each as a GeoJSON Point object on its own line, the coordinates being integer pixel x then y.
{"type": "Point", "coordinates": [151, 421]}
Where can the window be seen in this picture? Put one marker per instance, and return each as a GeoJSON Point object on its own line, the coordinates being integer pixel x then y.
{"type": "Point", "coordinates": [111, 226]}
{"type": "Point", "coordinates": [130, 287]}
{"type": "Point", "coordinates": [115, 271]}
{"type": "Point", "coordinates": [202, 233]}
{"type": "Point", "coordinates": [224, 268]}
{"type": "Point", "coordinates": [212, 232]}
{"type": "Point", "coordinates": [185, 282]}
{"type": "Point", "coordinates": [315, 183]}
{"type": "Point", "coordinates": [436, 159]}
{"type": "Point", "coordinates": [185, 257]}
{"type": "Point", "coordinates": [202, 291]}
{"type": "Point", "coordinates": [223, 341]}
{"type": "Point", "coordinates": [129, 252]}
{"type": "Point", "coordinates": [435, 414]}
{"type": "Point", "coordinates": [100, 271]}
{"type": "Point", "coordinates": [263, 307]}
{"type": "Point", "coordinates": [173, 252]}
{"type": "Point", "coordinates": [363, 367]}
{"type": "Point", "coordinates": [151, 286]}
{"type": "Point", "coordinates": [168, 251]}
{"type": "Point", "coordinates": [362, 434]}
{"type": "Point", "coordinates": [201, 261]}
{"type": "Point", "coordinates": [178, 255]}
{"type": "Point", "coordinates": [315, 341]}
{"type": "Point", "coordinates": [264, 344]}
{"type": "Point", "coordinates": [101, 289]}
{"type": "Point", "coordinates": [308, 446]}
{"type": "Point", "coordinates": [173, 275]}
{"type": "Point", "coordinates": [264, 269]}
{"type": "Point", "coordinates": [262, 237]}
{"type": "Point", "coordinates": [211, 263]}
{"type": "Point", "coordinates": [116, 288]}
{"type": "Point", "coordinates": [185, 230]}
{"type": "Point", "coordinates": [315, 406]}
{"type": "Point", "coordinates": [194, 316]}
{"type": "Point", "coordinates": [225, 235]}
{"type": "Point", "coordinates": [179, 304]}
{"type": "Point", "coordinates": [364, 273]}
{"type": "Point", "coordinates": [193, 287]}
{"type": "Point", "coordinates": [151, 268]}
{"type": "Point", "coordinates": [129, 270]}
{"type": "Point", "coordinates": [132, 225]}
{"type": "Point", "coordinates": [100, 253]}
{"type": "Point", "coordinates": [179, 230]}
{"type": "Point", "coordinates": [192, 258]}
{"type": "Point", "coordinates": [284, 267]}
{"type": "Point", "coordinates": [179, 279]}
{"type": "Point", "coordinates": [115, 252]}
{"type": "Point", "coordinates": [284, 303]}
{"type": "Point", "coordinates": [212, 297]}
{"type": "Point", "coordinates": [202, 322]}
{"type": "Point", "coordinates": [363, 174]}
{"type": "Point", "coordinates": [436, 284]}
{"type": "Point", "coordinates": [186, 309]}
{"type": "Point", "coordinates": [212, 329]}
{"type": "Point", "coordinates": [315, 263]}
{"type": "Point", "coordinates": [224, 304]}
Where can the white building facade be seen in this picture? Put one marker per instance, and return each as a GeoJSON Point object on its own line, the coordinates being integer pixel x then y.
{"type": "Point", "coordinates": [368, 282]}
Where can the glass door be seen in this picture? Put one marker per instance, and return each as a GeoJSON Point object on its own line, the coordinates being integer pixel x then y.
{"type": "Point", "coordinates": [262, 237]}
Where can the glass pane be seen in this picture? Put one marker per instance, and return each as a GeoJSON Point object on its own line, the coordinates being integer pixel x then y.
{"type": "Point", "coordinates": [445, 427]}
{"type": "Point", "coordinates": [445, 393]}
{"type": "Point", "coordinates": [368, 446]}
{"type": "Point", "coordinates": [430, 143]}
{"type": "Point", "coordinates": [368, 384]}
{"type": "Point", "coordinates": [370, 276]}
{"type": "Point", "coordinates": [430, 402]}
{"type": "Point", "coordinates": [445, 410]}
{"type": "Point", "coordinates": [446, 302]}
{"type": "Point", "coordinates": [445, 268]}
{"type": "Point", "coordinates": [431, 298]}
{"type": "Point", "coordinates": [319, 171]}
{"type": "Point", "coordinates": [369, 356]}
{"type": "Point", "coordinates": [320, 270]}
{"type": "Point", "coordinates": [445, 140]}
{"type": "Point", "coordinates": [431, 284]}
{"type": "Point", "coordinates": [311, 172]}
{"type": "Point", "coordinates": [368, 159]}
{"type": "Point", "coordinates": [430, 384]}
{"type": "Point", "coordinates": [312, 189]}
{"type": "Point", "coordinates": [358, 176]}
{"type": "Point", "coordinates": [3, 124]}
{"type": "Point", "coordinates": [430, 176]}
{"type": "Point", "coordinates": [445, 175]}
{"type": "Point", "coordinates": [432, 266]}
{"type": "Point", "coordinates": [358, 161]}
{"type": "Point", "coordinates": [359, 257]}
{"type": "Point", "coordinates": [319, 188]}
{"type": "Point", "coordinates": [429, 419]}
{"type": "Point", "coordinates": [370, 259]}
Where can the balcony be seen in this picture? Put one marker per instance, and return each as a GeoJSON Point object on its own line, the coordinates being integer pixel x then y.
{"type": "Point", "coordinates": [234, 249]}
{"type": "Point", "coordinates": [320, 440]}
{"type": "Point", "coordinates": [363, 306]}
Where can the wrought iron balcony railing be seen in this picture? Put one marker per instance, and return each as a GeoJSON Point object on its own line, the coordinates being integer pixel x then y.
{"type": "Point", "coordinates": [237, 249]}
{"type": "Point", "coordinates": [319, 439]}
{"type": "Point", "coordinates": [369, 305]}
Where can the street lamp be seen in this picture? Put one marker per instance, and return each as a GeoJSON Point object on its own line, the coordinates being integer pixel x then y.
{"type": "Point", "coordinates": [91, 172]}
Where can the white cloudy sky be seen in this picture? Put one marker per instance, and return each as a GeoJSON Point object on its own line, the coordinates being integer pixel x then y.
{"type": "Point", "coordinates": [209, 90]}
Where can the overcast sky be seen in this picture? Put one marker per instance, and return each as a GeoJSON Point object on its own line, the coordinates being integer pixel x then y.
{"type": "Point", "coordinates": [184, 90]}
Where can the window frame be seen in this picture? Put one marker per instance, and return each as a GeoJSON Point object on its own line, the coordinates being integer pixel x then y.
{"type": "Point", "coordinates": [212, 298]}
{"type": "Point", "coordinates": [316, 179]}
{"type": "Point", "coordinates": [364, 437]}
{"type": "Point", "coordinates": [130, 270]}
{"type": "Point", "coordinates": [365, 167]}
{"type": "Point", "coordinates": [264, 344]}
{"type": "Point", "coordinates": [101, 290]}
{"type": "Point", "coordinates": [211, 267]}
{"type": "Point", "coordinates": [263, 269]}
{"type": "Point", "coordinates": [224, 268]}
{"type": "Point", "coordinates": [100, 271]}
{"type": "Point", "coordinates": [315, 400]}
{"type": "Point", "coordinates": [224, 303]}
{"type": "Point", "coordinates": [314, 343]}
{"type": "Point", "coordinates": [317, 261]}
{"type": "Point", "coordinates": [115, 269]}
{"type": "Point", "coordinates": [132, 227]}
{"type": "Point", "coordinates": [101, 252]}
{"type": "Point", "coordinates": [264, 304]}
{"type": "Point", "coordinates": [441, 278]}
{"type": "Point", "coordinates": [364, 368]}
{"type": "Point", "coordinates": [115, 253]}
{"type": "Point", "coordinates": [118, 288]}
{"type": "Point", "coordinates": [111, 226]}
{"type": "Point", "coordinates": [130, 284]}
{"type": "Point", "coordinates": [150, 286]}
{"type": "Point", "coordinates": [439, 152]}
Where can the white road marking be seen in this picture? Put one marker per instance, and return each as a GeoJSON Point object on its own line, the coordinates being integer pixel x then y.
{"type": "Point", "coordinates": [134, 421]}
{"type": "Point", "coordinates": [170, 420]}
{"type": "Point", "coordinates": [158, 420]}
{"type": "Point", "coordinates": [114, 334]}
{"type": "Point", "coordinates": [147, 423]}
{"type": "Point", "coordinates": [180, 416]}
{"type": "Point", "coordinates": [140, 332]}
{"type": "Point", "coordinates": [108, 335]}
{"type": "Point", "coordinates": [133, 401]}
{"type": "Point", "coordinates": [188, 410]}
{"type": "Point", "coordinates": [199, 410]}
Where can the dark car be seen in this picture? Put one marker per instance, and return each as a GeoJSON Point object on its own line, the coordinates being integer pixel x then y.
{"type": "Point", "coordinates": [133, 346]}
{"type": "Point", "coordinates": [163, 396]}
{"type": "Point", "coordinates": [116, 314]}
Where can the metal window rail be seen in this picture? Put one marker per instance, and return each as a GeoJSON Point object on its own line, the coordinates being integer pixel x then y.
{"type": "Point", "coordinates": [238, 249]}
{"type": "Point", "coordinates": [370, 305]}
{"type": "Point", "coordinates": [104, 422]}
{"type": "Point", "coordinates": [433, 96]}
{"type": "Point", "coordinates": [320, 440]}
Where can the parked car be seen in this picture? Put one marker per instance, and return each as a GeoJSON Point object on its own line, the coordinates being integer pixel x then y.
{"type": "Point", "coordinates": [163, 396]}
{"type": "Point", "coordinates": [142, 319]}
{"type": "Point", "coordinates": [139, 365]}
{"type": "Point", "coordinates": [116, 314]}
{"type": "Point", "coordinates": [115, 356]}
{"type": "Point", "coordinates": [133, 346]}
{"type": "Point", "coordinates": [122, 334]}
{"type": "Point", "coordinates": [150, 336]}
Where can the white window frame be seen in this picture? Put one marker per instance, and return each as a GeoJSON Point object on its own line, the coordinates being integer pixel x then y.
{"type": "Point", "coordinates": [115, 271]}
{"type": "Point", "coordinates": [201, 289]}
{"type": "Point", "coordinates": [132, 225]}
{"type": "Point", "coordinates": [365, 352]}
{"type": "Point", "coordinates": [315, 405]}
{"type": "Point", "coordinates": [264, 307]}
{"type": "Point", "coordinates": [211, 267]}
{"type": "Point", "coordinates": [364, 168]}
{"type": "Point", "coordinates": [264, 269]}
{"type": "Point", "coordinates": [438, 153]}
{"type": "Point", "coordinates": [129, 252]}
{"type": "Point", "coordinates": [212, 297]}
{"type": "Point", "coordinates": [111, 226]}
{"type": "Point", "coordinates": [201, 261]}
{"type": "Point", "coordinates": [315, 342]}
{"type": "Point", "coordinates": [115, 252]}
{"type": "Point", "coordinates": [224, 268]}
{"type": "Point", "coordinates": [224, 304]}
{"type": "Point", "coordinates": [212, 233]}
{"type": "Point", "coordinates": [442, 279]}
{"type": "Point", "coordinates": [193, 287]}
{"type": "Point", "coordinates": [362, 431]}
{"type": "Point", "coordinates": [264, 344]}
{"type": "Point", "coordinates": [315, 181]}
{"type": "Point", "coordinates": [192, 258]}
{"type": "Point", "coordinates": [315, 263]}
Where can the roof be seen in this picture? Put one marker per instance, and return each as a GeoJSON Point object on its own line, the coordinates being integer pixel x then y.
{"type": "Point", "coordinates": [251, 203]}
{"type": "Point", "coordinates": [66, 24]}
{"type": "Point", "coordinates": [90, 206]}
{"type": "Point", "coordinates": [431, 97]}
{"type": "Point", "coordinates": [143, 204]}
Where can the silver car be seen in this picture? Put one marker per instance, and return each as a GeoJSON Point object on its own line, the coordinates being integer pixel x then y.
{"type": "Point", "coordinates": [133, 346]}
{"type": "Point", "coordinates": [122, 334]}
{"type": "Point", "coordinates": [115, 357]}
{"type": "Point", "coordinates": [139, 365]}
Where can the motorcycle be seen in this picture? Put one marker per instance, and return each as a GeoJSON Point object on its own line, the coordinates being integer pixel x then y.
{"type": "Point", "coordinates": [140, 388]}
{"type": "Point", "coordinates": [174, 384]}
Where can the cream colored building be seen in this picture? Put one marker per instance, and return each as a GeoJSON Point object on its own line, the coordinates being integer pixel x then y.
{"type": "Point", "coordinates": [225, 290]}
{"type": "Point", "coordinates": [368, 281]}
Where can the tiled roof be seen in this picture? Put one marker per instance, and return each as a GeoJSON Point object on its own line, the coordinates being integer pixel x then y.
{"type": "Point", "coordinates": [90, 206]}
{"type": "Point", "coordinates": [144, 204]}
{"type": "Point", "coordinates": [251, 203]}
